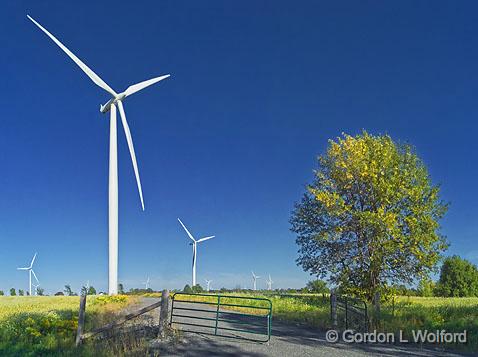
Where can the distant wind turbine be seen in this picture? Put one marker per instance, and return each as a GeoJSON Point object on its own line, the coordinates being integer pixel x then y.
{"type": "Point", "coordinates": [254, 280]}
{"type": "Point", "coordinates": [30, 272]}
{"type": "Point", "coordinates": [208, 284]}
{"type": "Point", "coordinates": [269, 283]}
{"type": "Point", "coordinates": [146, 284]}
{"type": "Point", "coordinates": [36, 287]}
{"type": "Point", "coordinates": [194, 244]}
{"type": "Point", "coordinates": [116, 100]}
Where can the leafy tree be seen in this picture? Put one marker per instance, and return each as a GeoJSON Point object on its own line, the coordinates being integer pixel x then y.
{"type": "Point", "coordinates": [13, 292]}
{"type": "Point", "coordinates": [426, 287]}
{"type": "Point", "coordinates": [40, 291]}
{"type": "Point", "coordinates": [68, 290]}
{"type": "Point", "coordinates": [2, 293]}
{"type": "Point", "coordinates": [370, 218]}
{"type": "Point", "coordinates": [197, 289]}
{"type": "Point", "coordinates": [84, 291]}
{"type": "Point", "coordinates": [187, 289]}
{"type": "Point", "coordinates": [92, 291]}
{"type": "Point", "coordinates": [59, 293]}
{"type": "Point", "coordinates": [458, 277]}
{"type": "Point", "coordinates": [120, 289]}
{"type": "Point", "coordinates": [20, 292]}
{"type": "Point", "coordinates": [317, 286]}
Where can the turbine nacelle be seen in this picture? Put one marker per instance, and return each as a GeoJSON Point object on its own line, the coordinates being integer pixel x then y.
{"type": "Point", "coordinates": [107, 106]}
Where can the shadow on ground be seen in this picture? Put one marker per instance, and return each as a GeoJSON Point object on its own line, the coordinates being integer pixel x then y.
{"type": "Point", "coordinates": [195, 345]}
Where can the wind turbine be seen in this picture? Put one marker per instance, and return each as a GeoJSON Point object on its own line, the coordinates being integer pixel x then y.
{"type": "Point", "coordinates": [194, 244]}
{"type": "Point", "coordinates": [208, 284]}
{"type": "Point", "coordinates": [269, 283]}
{"type": "Point", "coordinates": [146, 283]}
{"type": "Point", "coordinates": [110, 105]}
{"type": "Point", "coordinates": [254, 278]}
{"type": "Point", "coordinates": [30, 272]}
{"type": "Point", "coordinates": [36, 287]}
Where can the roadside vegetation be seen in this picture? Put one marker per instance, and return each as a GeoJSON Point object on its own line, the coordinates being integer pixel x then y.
{"type": "Point", "coordinates": [46, 325]}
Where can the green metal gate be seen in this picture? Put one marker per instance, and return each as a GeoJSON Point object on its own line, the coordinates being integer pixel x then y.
{"type": "Point", "coordinates": [355, 312]}
{"type": "Point", "coordinates": [241, 317]}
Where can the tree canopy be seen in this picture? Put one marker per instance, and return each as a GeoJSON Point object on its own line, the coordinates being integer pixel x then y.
{"type": "Point", "coordinates": [458, 277]}
{"type": "Point", "coordinates": [370, 218]}
{"type": "Point", "coordinates": [317, 286]}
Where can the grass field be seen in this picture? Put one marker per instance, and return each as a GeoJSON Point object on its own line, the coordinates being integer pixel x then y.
{"type": "Point", "coordinates": [46, 325]}
{"type": "Point", "coordinates": [433, 313]}
{"type": "Point", "coordinates": [31, 326]}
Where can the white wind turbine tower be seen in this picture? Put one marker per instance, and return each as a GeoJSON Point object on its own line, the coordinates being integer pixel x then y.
{"type": "Point", "coordinates": [269, 283]}
{"type": "Point", "coordinates": [146, 284]}
{"type": "Point", "coordinates": [194, 244]}
{"type": "Point", "coordinates": [116, 100]}
{"type": "Point", "coordinates": [36, 287]}
{"type": "Point", "coordinates": [208, 284]}
{"type": "Point", "coordinates": [254, 279]}
{"type": "Point", "coordinates": [30, 272]}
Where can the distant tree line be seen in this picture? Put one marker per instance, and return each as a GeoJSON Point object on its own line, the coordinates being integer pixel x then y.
{"type": "Point", "coordinates": [458, 278]}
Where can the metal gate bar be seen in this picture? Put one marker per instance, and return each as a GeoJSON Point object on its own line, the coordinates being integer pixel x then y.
{"type": "Point", "coordinates": [250, 321]}
{"type": "Point", "coordinates": [356, 306]}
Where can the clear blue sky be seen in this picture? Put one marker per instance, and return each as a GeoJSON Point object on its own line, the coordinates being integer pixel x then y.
{"type": "Point", "coordinates": [230, 140]}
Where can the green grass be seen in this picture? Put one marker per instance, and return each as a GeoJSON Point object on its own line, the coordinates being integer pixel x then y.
{"type": "Point", "coordinates": [450, 314]}
{"type": "Point", "coordinates": [46, 325]}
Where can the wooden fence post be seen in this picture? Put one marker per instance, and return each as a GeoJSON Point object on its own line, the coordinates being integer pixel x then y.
{"type": "Point", "coordinates": [164, 314]}
{"type": "Point", "coordinates": [81, 320]}
{"type": "Point", "coordinates": [333, 308]}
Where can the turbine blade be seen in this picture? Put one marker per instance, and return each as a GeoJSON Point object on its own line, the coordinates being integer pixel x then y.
{"type": "Point", "coordinates": [129, 139]}
{"type": "Point", "coordinates": [38, 281]}
{"type": "Point", "coordinates": [205, 238]}
{"type": "Point", "coordinates": [23, 268]}
{"type": "Point", "coordinates": [31, 264]}
{"type": "Point", "coordinates": [137, 87]}
{"type": "Point", "coordinates": [189, 234]}
{"type": "Point", "coordinates": [93, 76]}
